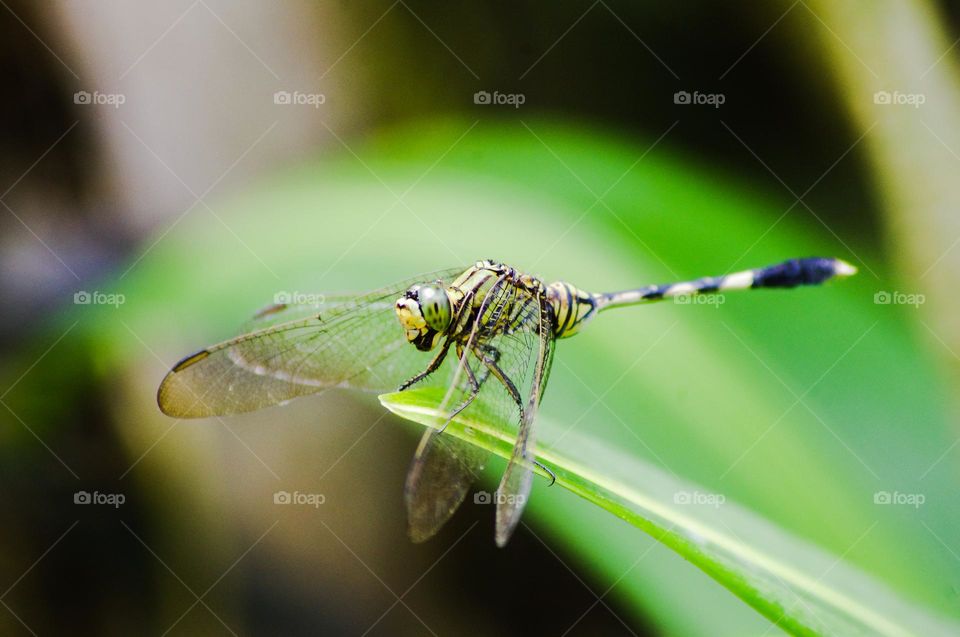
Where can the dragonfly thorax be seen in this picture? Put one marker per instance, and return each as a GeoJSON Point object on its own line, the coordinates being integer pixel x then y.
{"type": "Point", "coordinates": [425, 314]}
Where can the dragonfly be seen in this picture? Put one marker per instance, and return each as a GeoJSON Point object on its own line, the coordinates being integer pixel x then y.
{"type": "Point", "coordinates": [494, 326]}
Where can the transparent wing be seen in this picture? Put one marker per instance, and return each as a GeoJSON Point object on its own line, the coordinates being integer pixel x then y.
{"type": "Point", "coordinates": [299, 349]}
{"type": "Point", "coordinates": [443, 470]}
{"type": "Point", "coordinates": [532, 344]}
{"type": "Point", "coordinates": [295, 309]}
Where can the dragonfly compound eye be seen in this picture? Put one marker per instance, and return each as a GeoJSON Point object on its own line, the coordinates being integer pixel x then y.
{"type": "Point", "coordinates": [434, 307]}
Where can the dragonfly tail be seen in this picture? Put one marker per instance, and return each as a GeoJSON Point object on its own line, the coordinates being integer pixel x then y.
{"type": "Point", "coordinates": [791, 273]}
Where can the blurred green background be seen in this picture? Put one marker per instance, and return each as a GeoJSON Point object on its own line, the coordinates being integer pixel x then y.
{"type": "Point", "coordinates": [157, 189]}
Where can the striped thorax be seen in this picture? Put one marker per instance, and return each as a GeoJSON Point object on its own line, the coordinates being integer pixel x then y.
{"type": "Point", "coordinates": [428, 312]}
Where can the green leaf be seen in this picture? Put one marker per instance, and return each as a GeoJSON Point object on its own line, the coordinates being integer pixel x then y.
{"type": "Point", "coordinates": [798, 586]}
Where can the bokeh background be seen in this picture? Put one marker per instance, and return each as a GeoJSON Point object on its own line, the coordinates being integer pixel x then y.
{"type": "Point", "coordinates": [166, 169]}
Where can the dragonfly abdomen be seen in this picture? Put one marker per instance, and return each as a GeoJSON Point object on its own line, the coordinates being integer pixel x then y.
{"type": "Point", "coordinates": [791, 273]}
{"type": "Point", "coordinates": [572, 308]}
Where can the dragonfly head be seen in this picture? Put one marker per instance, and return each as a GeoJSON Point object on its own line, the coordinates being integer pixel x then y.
{"type": "Point", "coordinates": [425, 313]}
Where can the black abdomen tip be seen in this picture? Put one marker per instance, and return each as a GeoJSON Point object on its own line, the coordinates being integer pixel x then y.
{"type": "Point", "coordinates": [807, 271]}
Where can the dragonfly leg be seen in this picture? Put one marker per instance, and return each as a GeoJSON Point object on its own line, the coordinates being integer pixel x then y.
{"type": "Point", "coordinates": [491, 358]}
{"type": "Point", "coordinates": [553, 476]}
{"type": "Point", "coordinates": [460, 407]}
{"type": "Point", "coordinates": [471, 376]}
{"type": "Point", "coordinates": [474, 388]}
{"type": "Point", "coordinates": [432, 367]}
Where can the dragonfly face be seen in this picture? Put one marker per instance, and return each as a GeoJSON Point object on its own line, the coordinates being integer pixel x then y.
{"type": "Point", "coordinates": [425, 313]}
